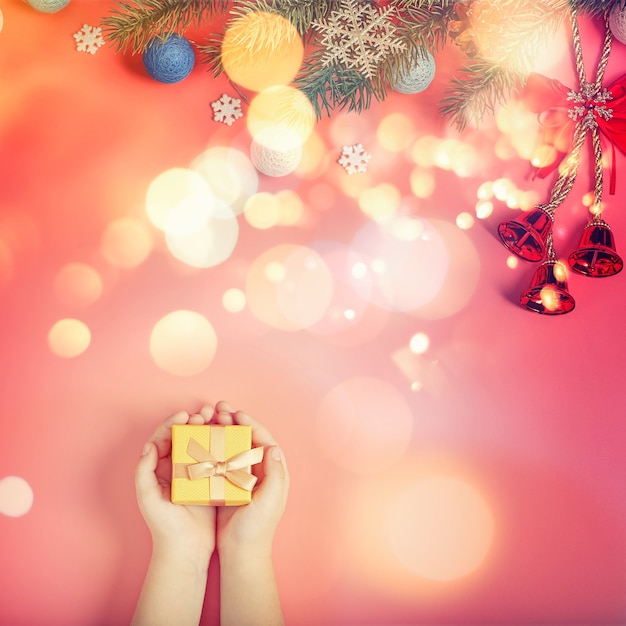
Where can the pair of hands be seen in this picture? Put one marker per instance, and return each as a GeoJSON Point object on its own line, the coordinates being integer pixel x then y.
{"type": "Point", "coordinates": [199, 530]}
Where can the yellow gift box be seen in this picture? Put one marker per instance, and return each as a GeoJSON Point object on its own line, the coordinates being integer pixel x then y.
{"type": "Point", "coordinates": [211, 464]}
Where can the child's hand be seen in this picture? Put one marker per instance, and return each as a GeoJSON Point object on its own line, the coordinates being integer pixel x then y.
{"type": "Point", "coordinates": [251, 527]}
{"type": "Point", "coordinates": [187, 530]}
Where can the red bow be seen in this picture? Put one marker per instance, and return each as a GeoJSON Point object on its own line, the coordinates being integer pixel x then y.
{"type": "Point", "coordinates": [561, 108]}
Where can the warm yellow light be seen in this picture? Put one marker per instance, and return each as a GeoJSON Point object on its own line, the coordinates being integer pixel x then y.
{"type": "Point", "coordinates": [395, 132]}
{"type": "Point", "coordinates": [260, 50]}
{"type": "Point", "coordinates": [280, 118]}
{"type": "Point", "coordinates": [69, 338]}
{"type": "Point", "coordinates": [441, 528]}
{"type": "Point", "coordinates": [183, 343]}
{"type": "Point", "coordinates": [419, 343]}
{"type": "Point", "coordinates": [422, 183]}
{"type": "Point", "coordinates": [484, 209]}
{"type": "Point", "coordinates": [126, 243]}
{"type": "Point", "coordinates": [464, 221]}
{"type": "Point", "coordinates": [381, 202]}
{"type": "Point", "coordinates": [261, 211]}
{"type": "Point", "coordinates": [234, 300]}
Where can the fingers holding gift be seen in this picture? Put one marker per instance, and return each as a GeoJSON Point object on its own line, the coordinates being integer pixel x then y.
{"type": "Point", "coordinates": [162, 437]}
{"type": "Point", "coordinates": [261, 436]}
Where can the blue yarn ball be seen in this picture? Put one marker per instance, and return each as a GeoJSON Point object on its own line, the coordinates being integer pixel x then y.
{"type": "Point", "coordinates": [169, 60]}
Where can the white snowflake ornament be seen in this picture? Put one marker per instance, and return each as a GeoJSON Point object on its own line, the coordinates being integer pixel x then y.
{"type": "Point", "coordinates": [227, 109]}
{"type": "Point", "coordinates": [89, 39]}
{"type": "Point", "coordinates": [354, 159]}
{"type": "Point", "coordinates": [358, 36]}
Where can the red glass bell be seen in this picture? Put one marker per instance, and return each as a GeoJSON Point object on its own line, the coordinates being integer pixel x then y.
{"type": "Point", "coordinates": [548, 293]}
{"type": "Point", "coordinates": [527, 236]}
{"type": "Point", "coordinates": [596, 255]}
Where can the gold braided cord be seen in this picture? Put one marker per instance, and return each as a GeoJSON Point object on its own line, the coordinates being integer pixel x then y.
{"type": "Point", "coordinates": [567, 176]}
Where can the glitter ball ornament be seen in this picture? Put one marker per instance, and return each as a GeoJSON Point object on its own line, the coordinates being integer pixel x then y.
{"type": "Point", "coordinates": [617, 22]}
{"type": "Point", "coordinates": [274, 162]}
{"type": "Point", "coordinates": [169, 60]}
{"type": "Point", "coordinates": [48, 6]}
{"type": "Point", "coordinates": [418, 76]}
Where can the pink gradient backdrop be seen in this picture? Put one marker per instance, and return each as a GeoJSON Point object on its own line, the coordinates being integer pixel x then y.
{"type": "Point", "coordinates": [526, 409]}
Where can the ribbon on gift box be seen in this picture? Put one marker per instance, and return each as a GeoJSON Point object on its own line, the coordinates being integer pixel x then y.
{"type": "Point", "coordinates": [559, 109]}
{"type": "Point", "coordinates": [211, 464]}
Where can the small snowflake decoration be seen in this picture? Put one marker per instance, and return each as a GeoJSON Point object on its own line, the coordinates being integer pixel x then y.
{"type": "Point", "coordinates": [89, 39]}
{"type": "Point", "coordinates": [227, 109]}
{"type": "Point", "coordinates": [354, 159]}
{"type": "Point", "coordinates": [358, 36]}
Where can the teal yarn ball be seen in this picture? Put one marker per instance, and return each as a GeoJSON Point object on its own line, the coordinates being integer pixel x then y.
{"type": "Point", "coordinates": [169, 60]}
{"type": "Point", "coordinates": [48, 6]}
{"type": "Point", "coordinates": [419, 75]}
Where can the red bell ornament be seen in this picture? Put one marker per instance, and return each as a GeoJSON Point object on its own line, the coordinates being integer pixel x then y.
{"type": "Point", "coordinates": [527, 236]}
{"type": "Point", "coordinates": [596, 255]}
{"type": "Point", "coordinates": [548, 294]}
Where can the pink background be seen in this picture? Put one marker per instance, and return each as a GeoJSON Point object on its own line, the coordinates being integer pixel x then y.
{"type": "Point", "coordinates": [523, 413]}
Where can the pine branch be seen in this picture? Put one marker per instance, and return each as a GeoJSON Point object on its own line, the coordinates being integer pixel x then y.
{"type": "Point", "coordinates": [424, 24]}
{"type": "Point", "coordinates": [132, 24]}
{"type": "Point", "coordinates": [595, 7]}
{"type": "Point", "coordinates": [481, 87]}
{"type": "Point", "coordinates": [333, 87]}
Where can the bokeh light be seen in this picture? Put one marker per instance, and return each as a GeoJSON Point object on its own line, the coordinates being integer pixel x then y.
{"type": "Point", "coordinates": [229, 174]}
{"type": "Point", "coordinates": [16, 496]}
{"type": "Point", "coordinates": [262, 210]}
{"type": "Point", "coordinates": [406, 259]}
{"type": "Point", "coordinates": [178, 200]}
{"type": "Point", "coordinates": [234, 300]}
{"type": "Point", "coordinates": [183, 343]}
{"type": "Point", "coordinates": [462, 272]}
{"type": "Point", "coordinates": [464, 220]}
{"type": "Point", "coordinates": [280, 118]}
{"type": "Point", "coordinates": [422, 183]}
{"type": "Point", "coordinates": [126, 243]}
{"type": "Point", "coordinates": [289, 287]}
{"type": "Point", "coordinates": [210, 241]}
{"type": "Point", "coordinates": [381, 202]}
{"type": "Point", "coordinates": [68, 338]}
{"type": "Point", "coordinates": [419, 343]}
{"type": "Point", "coordinates": [363, 425]}
{"type": "Point", "coordinates": [78, 284]}
{"type": "Point", "coordinates": [395, 132]}
{"type": "Point", "coordinates": [440, 528]}
{"type": "Point", "coordinates": [261, 49]}
{"type": "Point", "coordinates": [347, 305]}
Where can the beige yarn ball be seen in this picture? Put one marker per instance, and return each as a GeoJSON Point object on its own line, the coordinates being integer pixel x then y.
{"type": "Point", "coordinates": [273, 162]}
{"type": "Point", "coordinates": [617, 23]}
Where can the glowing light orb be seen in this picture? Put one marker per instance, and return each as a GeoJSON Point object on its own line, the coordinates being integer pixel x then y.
{"type": "Point", "coordinates": [78, 284]}
{"type": "Point", "coordinates": [407, 261]}
{"type": "Point", "coordinates": [262, 211]}
{"type": "Point", "coordinates": [461, 277]}
{"type": "Point", "coordinates": [177, 199]}
{"type": "Point", "coordinates": [289, 287]}
{"type": "Point", "coordinates": [280, 118]}
{"type": "Point", "coordinates": [464, 220]}
{"type": "Point", "coordinates": [126, 243]}
{"type": "Point", "coordinates": [69, 338]}
{"type": "Point", "coordinates": [440, 528]}
{"type": "Point", "coordinates": [347, 306]}
{"type": "Point", "coordinates": [363, 425]}
{"type": "Point", "coordinates": [380, 203]}
{"type": "Point", "coordinates": [211, 241]}
{"type": "Point", "coordinates": [419, 343]}
{"type": "Point", "coordinates": [234, 300]}
{"type": "Point", "coordinates": [395, 132]}
{"type": "Point", "coordinates": [230, 175]}
{"type": "Point", "coordinates": [261, 49]}
{"type": "Point", "coordinates": [422, 183]}
{"type": "Point", "coordinates": [183, 343]}
{"type": "Point", "coordinates": [16, 496]}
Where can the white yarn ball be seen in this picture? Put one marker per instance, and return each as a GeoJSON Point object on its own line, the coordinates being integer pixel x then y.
{"type": "Point", "coordinates": [48, 6]}
{"type": "Point", "coordinates": [274, 162]}
{"type": "Point", "coordinates": [617, 23]}
{"type": "Point", "coordinates": [418, 77]}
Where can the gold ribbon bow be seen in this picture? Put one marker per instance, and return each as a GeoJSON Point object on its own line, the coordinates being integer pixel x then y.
{"type": "Point", "coordinates": [210, 465]}
{"type": "Point", "coordinates": [231, 469]}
